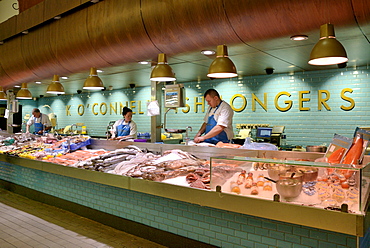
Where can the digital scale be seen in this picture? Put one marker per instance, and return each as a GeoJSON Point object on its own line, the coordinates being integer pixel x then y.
{"type": "Point", "coordinates": [174, 96]}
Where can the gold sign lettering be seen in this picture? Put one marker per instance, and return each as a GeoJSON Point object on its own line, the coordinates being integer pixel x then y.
{"type": "Point", "coordinates": [68, 112]}
{"type": "Point", "coordinates": [81, 109]}
{"type": "Point", "coordinates": [256, 99]}
{"type": "Point", "coordinates": [121, 107]}
{"type": "Point", "coordinates": [348, 99]}
{"type": "Point", "coordinates": [132, 106]}
{"type": "Point", "coordinates": [301, 100]}
{"type": "Point", "coordinates": [113, 108]}
{"type": "Point", "coordinates": [93, 109]}
{"type": "Point", "coordinates": [140, 112]}
{"type": "Point", "coordinates": [196, 103]}
{"type": "Point", "coordinates": [238, 103]}
{"type": "Point", "coordinates": [289, 103]}
{"type": "Point", "coordinates": [244, 102]}
{"type": "Point", "coordinates": [322, 101]}
{"type": "Point", "coordinates": [103, 108]}
{"type": "Point", "coordinates": [187, 109]}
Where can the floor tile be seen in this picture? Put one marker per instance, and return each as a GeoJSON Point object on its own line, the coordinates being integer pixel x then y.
{"type": "Point", "coordinates": [26, 223]}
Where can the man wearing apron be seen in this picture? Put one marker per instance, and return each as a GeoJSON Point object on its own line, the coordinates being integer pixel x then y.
{"type": "Point", "coordinates": [125, 128]}
{"type": "Point", "coordinates": [218, 122]}
{"type": "Point", "coordinates": [40, 121]}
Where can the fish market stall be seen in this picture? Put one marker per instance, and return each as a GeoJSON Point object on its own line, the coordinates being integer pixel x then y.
{"type": "Point", "coordinates": [147, 191]}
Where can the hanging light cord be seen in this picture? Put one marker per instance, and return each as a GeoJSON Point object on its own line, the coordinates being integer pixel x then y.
{"type": "Point", "coordinates": [146, 30]}
{"type": "Point", "coordinates": [278, 58]}
{"type": "Point", "coordinates": [358, 25]}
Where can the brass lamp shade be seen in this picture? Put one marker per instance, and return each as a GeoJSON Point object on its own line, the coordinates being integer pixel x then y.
{"type": "Point", "coordinates": [328, 50]}
{"type": "Point", "coordinates": [222, 66]}
{"type": "Point", "coordinates": [2, 94]}
{"type": "Point", "coordinates": [55, 87]}
{"type": "Point", "coordinates": [93, 82]}
{"type": "Point", "coordinates": [24, 93]}
{"type": "Point", "coordinates": [162, 72]}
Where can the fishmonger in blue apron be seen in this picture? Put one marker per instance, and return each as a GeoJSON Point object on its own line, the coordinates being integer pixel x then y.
{"type": "Point", "coordinates": [39, 127]}
{"type": "Point", "coordinates": [40, 121]}
{"type": "Point", "coordinates": [211, 123]}
{"type": "Point", "coordinates": [123, 130]}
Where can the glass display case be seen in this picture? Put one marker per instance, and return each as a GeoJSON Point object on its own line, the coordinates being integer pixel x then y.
{"type": "Point", "coordinates": [330, 186]}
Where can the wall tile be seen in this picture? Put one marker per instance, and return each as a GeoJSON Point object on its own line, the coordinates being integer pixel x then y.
{"type": "Point", "coordinates": [258, 245]}
{"type": "Point", "coordinates": [254, 237]}
{"type": "Point", "coordinates": [301, 231]}
{"type": "Point", "coordinates": [283, 244]}
{"type": "Point", "coordinates": [247, 243]}
{"type": "Point", "coordinates": [309, 242]}
{"type": "Point", "coordinates": [323, 244]}
{"type": "Point", "coordinates": [335, 238]}
{"type": "Point", "coordinates": [292, 238]}
{"type": "Point", "coordinates": [326, 121]}
{"type": "Point", "coordinates": [276, 235]}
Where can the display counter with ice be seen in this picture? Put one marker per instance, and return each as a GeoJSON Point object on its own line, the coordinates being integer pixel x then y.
{"type": "Point", "coordinates": [322, 185]}
{"type": "Point", "coordinates": [89, 184]}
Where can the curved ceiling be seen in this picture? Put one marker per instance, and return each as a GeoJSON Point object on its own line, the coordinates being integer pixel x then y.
{"type": "Point", "coordinates": [114, 35]}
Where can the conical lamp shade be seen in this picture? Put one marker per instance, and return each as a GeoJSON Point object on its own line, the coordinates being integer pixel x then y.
{"type": "Point", "coordinates": [328, 50]}
{"type": "Point", "coordinates": [93, 82]}
{"type": "Point", "coordinates": [24, 93]}
{"type": "Point", "coordinates": [222, 66]}
{"type": "Point", "coordinates": [162, 72]}
{"type": "Point", "coordinates": [55, 87]}
{"type": "Point", "coordinates": [2, 94]}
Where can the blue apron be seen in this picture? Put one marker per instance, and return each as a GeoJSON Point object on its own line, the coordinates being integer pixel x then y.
{"type": "Point", "coordinates": [212, 123]}
{"type": "Point", "coordinates": [38, 126]}
{"type": "Point", "coordinates": [123, 130]}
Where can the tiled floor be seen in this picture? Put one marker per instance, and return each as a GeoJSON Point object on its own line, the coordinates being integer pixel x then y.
{"type": "Point", "coordinates": [26, 223]}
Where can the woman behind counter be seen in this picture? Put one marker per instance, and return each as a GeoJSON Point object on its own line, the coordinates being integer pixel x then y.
{"type": "Point", "coordinates": [124, 129]}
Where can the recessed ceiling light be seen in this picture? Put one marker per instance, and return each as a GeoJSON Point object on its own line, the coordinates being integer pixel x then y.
{"type": "Point", "coordinates": [100, 71]}
{"type": "Point", "coordinates": [64, 77]}
{"type": "Point", "coordinates": [38, 82]}
{"type": "Point", "coordinates": [208, 52]}
{"type": "Point", "coordinates": [144, 62]}
{"type": "Point", "coordinates": [299, 37]}
{"type": "Point", "coordinates": [17, 86]}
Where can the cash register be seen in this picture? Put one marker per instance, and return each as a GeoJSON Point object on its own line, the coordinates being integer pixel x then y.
{"type": "Point", "coordinates": [271, 135]}
{"type": "Point", "coordinates": [263, 134]}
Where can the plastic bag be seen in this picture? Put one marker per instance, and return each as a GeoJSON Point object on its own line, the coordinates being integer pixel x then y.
{"type": "Point", "coordinates": [153, 108]}
{"type": "Point", "coordinates": [337, 149]}
{"type": "Point", "coordinates": [356, 153]}
{"type": "Point", "coordinates": [248, 144]}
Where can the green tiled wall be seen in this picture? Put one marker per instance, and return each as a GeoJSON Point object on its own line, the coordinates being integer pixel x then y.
{"type": "Point", "coordinates": [212, 226]}
{"type": "Point", "coordinates": [312, 127]}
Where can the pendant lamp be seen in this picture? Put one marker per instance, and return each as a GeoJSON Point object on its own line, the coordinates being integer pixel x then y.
{"type": "Point", "coordinates": [2, 94]}
{"type": "Point", "coordinates": [93, 82]}
{"type": "Point", "coordinates": [55, 87]}
{"type": "Point", "coordinates": [328, 50]}
{"type": "Point", "coordinates": [24, 93]}
{"type": "Point", "coordinates": [162, 72]}
{"type": "Point", "coordinates": [222, 66]}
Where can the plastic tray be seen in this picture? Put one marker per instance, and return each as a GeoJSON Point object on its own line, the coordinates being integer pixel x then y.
{"type": "Point", "coordinates": [77, 146]}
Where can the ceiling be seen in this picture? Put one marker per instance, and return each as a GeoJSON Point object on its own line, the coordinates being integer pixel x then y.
{"type": "Point", "coordinates": [257, 34]}
{"type": "Point", "coordinates": [281, 54]}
